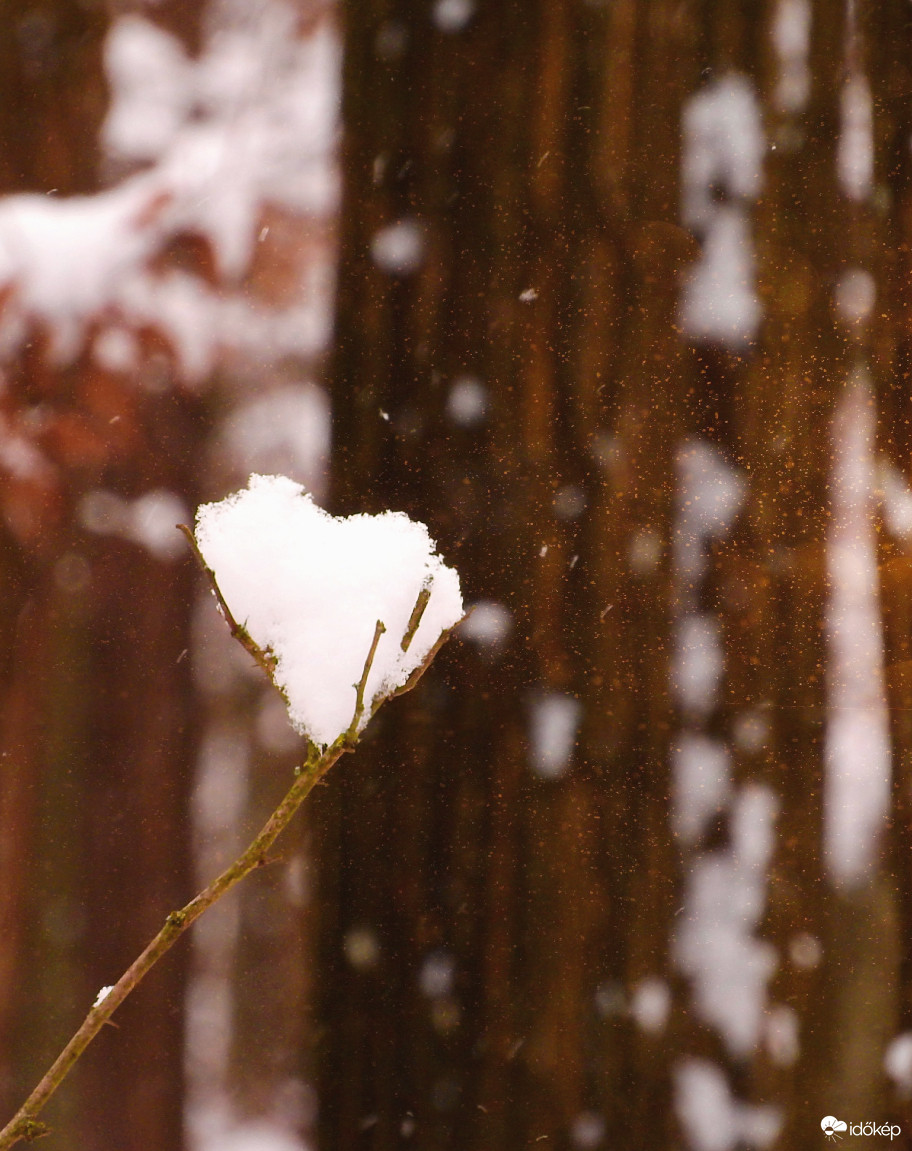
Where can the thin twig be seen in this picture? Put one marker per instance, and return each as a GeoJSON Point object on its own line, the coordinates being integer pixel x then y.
{"type": "Point", "coordinates": [419, 671]}
{"type": "Point", "coordinates": [424, 597]}
{"type": "Point", "coordinates": [265, 659]}
{"type": "Point", "coordinates": [24, 1125]}
{"type": "Point", "coordinates": [360, 686]}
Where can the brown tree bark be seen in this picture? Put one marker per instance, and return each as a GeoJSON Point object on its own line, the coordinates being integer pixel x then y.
{"type": "Point", "coordinates": [97, 728]}
{"type": "Point", "coordinates": [538, 156]}
{"type": "Point", "coordinates": [535, 153]}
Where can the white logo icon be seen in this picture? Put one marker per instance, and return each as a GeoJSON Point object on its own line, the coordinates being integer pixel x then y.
{"type": "Point", "coordinates": [832, 1126]}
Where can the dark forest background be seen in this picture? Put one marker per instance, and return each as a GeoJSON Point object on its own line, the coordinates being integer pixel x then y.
{"type": "Point", "coordinates": [469, 943]}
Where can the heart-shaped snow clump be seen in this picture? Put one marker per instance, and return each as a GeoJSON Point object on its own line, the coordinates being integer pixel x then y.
{"type": "Point", "coordinates": [311, 588]}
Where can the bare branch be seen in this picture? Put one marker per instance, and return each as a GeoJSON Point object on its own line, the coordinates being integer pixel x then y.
{"type": "Point", "coordinates": [423, 666]}
{"type": "Point", "coordinates": [265, 659]}
{"type": "Point", "coordinates": [424, 597]}
{"type": "Point", "coordinates": [24, 1125]}
{"type": "Point", "coordinates": [352, 733]}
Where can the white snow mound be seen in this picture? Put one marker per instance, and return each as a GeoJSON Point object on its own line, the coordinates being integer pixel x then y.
{"type": "Point", "coordinates": [311, 587]}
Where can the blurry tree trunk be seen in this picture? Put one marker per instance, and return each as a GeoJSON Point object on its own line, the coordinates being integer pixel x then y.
{"type": "Point", "coordinates": [96, 721]}
{"type": "Point", "coordinates": [491, 920]}
{"type": "Point", "coordinates": [98, 742]}
{"type": "Point", "coordinates": [99, 718]}
{"type": "Point", "coordinates": [889, 45]}
{"type": "Point", "coordinates": [772, 584]}
{"type": "Point", "coordinates": [488, 913]}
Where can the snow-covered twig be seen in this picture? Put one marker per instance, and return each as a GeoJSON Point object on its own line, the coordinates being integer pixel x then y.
{"type": "Point", "coordinates": [25, 1125]}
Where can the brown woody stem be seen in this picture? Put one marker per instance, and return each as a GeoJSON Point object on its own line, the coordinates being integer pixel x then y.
{"type": "Point", "coordinates": [360, 686]}
{"type": "Point", "coordinates": [25, 1126]}
{"type": "Point", "coordinates": [265, 659]}
{"type": "Point", "coordinates": [421, 603]}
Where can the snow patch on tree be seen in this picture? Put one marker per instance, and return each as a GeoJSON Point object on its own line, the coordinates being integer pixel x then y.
{"type": "Point", "coordinates": [722, 153]}
{"type": "Point", "coordinates": [712, 1118]}
{"type": "Point", "coordinates": [716, 944]}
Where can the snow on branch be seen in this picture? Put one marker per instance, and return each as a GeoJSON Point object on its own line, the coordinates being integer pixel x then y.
{"type": "Point", "coordinates": [342, 614]}
{"type": "Point", "coordinates": [309, 589]}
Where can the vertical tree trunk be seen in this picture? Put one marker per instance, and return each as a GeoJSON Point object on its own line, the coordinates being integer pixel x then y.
{"type": "Point", "coordinates": [97, 721]}
{"type": "Point", "coordinates": [504, 929]}
{"type": "Point", "coordinates": [488, 907]}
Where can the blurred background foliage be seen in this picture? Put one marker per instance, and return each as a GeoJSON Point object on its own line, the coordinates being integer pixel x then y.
{"type": "Point", "coordinates": [615, 297]}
